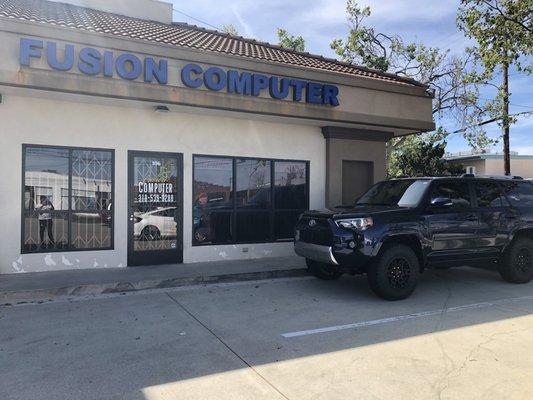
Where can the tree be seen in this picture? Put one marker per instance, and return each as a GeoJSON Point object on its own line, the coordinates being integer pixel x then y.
{"type": "Point", "coordinates": [230, 30]}
{"type": "Point", "coordinates": [503, 30]}
{"type": "Point", "coordinates": [446, 75]}
{"type": "Point", "coordinates": [422, 155]}
{"type": "Point", "coordinates": [288, 41]}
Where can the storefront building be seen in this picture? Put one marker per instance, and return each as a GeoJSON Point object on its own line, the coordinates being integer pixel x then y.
{"type": "Point", "coordinates": [130, 141]}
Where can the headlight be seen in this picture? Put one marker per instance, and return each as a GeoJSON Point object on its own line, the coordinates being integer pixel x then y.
{"type": "Point", "coordinates": [359, 224]}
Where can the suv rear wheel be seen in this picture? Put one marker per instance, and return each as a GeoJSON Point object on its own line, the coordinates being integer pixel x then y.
{"type": "Point", "coordinates": [394, 275]}
{"type": "Point", "coordinates": [517, 264]}
{"type": "Point", "coordinates": [323, 271]}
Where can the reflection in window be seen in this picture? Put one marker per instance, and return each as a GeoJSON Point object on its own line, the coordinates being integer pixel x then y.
{"type": "Point", "coordinates": [520, 194]}
{"type": "Point", "coordinates": [91, 180]}
{"type": "Point", "coordinates": [212, 200]}
{"type": "Point", "coordinates": [253, 183]}
{"type": "Point", "coordinates": [45, 175]}
{"type": "Point", "coordinates": [154, 197]}
{"type": "Point", "coordinates": [284, 223]}
{"type": "Point", "coordinates": [90, 231]}
{"type": "Point", "coordinates": [290, 189]}
{"type": "Point", "coordinates": [252, 226]}
{"type": "Point", "coordinates": [489, 195]}
{"type": "Point", "coordinates": [250, 215]}
{"type": "Point", "coordinates": [457, 192]}
{"type": "Point", "coordinates": [45, 231]}
{"type": "Point", "coordinates": [213, 182]}
{"type": "Point", "coordinates": [49, 200]}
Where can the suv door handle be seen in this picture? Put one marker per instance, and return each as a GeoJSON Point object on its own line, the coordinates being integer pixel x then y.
{"type": "Point", "coordinates": [471, 218]}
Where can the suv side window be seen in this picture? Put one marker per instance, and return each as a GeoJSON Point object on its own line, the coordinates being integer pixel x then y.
{"type": "Point", "coordinates": [520, 194]}
{"type": "Point", "coordinates": [457, 191]}
{"type": "Point", "coordinates": [489, 195]}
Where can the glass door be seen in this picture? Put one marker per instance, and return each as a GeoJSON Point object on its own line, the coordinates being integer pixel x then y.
{"type": "Point", "coordinates": [155, 208]}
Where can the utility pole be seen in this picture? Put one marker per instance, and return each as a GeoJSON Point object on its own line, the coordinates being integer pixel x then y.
{"type": "Point", "coordinates": [505, 119]}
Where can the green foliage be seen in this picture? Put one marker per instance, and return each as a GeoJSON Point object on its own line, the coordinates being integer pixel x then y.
{"type": "Point", "coordinates": [503, 30]}
{"type": "Point", "coordinates": [453, 80]}
{"type": "Point", "coordinates": [230, 29]}
{"type": "Point", "coordinates": [288, 41]}
{"type": "Point", "coordinates": [421, 155]}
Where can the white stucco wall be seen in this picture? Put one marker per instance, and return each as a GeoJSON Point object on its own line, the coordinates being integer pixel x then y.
{"type": "Point", "coordinates": [67, 123]}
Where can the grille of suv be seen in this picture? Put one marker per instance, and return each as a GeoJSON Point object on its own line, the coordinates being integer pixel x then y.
{"type": "Point", "coordinates": [319, 234]}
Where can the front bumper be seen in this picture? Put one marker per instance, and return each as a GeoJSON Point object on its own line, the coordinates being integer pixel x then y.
{"type": "Point", "coordinates": [315, 252]}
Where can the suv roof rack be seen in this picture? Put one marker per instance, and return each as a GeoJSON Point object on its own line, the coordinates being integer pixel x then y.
{"type": "Point", "coordinates": [492, 176]}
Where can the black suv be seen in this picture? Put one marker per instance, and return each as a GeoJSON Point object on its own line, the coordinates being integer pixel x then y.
{"type": "Point", "coordinates": [400, 227]}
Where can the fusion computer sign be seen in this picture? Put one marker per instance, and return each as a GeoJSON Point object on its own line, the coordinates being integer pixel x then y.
{"type": "Point", "coordinates": [93, 62]}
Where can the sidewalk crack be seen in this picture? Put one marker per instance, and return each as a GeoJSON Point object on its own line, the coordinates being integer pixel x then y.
{"type": "Point", "coordinates": [227, 346]}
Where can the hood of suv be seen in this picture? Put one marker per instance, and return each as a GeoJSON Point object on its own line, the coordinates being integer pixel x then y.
{"type": "Point", "coordinates": [353, 211]}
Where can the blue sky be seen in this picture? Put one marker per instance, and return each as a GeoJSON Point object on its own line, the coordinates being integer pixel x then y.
{"type": "Point", "coordinates": [321, 21]}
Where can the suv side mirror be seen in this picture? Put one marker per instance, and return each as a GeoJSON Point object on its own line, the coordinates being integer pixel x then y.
{"type": "Point", "coordinates": [441, 202]}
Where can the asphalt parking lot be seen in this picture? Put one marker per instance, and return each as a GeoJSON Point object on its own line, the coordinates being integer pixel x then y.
{"type": "Point", "coordinates": [464, 334]}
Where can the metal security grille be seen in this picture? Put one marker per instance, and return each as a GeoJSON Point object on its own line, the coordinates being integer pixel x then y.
{"type": "Point", "coordinates": [67, 199]}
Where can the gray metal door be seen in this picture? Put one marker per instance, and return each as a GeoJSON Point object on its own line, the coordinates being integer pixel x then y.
{"type": "Point", "coordinates": [357, 177]}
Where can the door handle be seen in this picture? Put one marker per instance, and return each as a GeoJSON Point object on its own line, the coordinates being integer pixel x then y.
{"type": "Point", "coordinates": [471, 218]}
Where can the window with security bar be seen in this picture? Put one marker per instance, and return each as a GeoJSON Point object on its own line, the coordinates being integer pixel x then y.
{"type": "Point", "coordinates": [67, 199]}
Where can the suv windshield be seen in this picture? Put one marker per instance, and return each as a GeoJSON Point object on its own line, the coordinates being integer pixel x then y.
{"type": "Point", "coordinates": [400, 193]}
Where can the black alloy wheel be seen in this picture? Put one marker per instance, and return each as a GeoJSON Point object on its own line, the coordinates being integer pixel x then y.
{"type": "Point", "coordinates": [394, 274]}
{"type": "Point", "coordinates": [516, 265]}
{"type": "Point", "coordinates": [399, 272]}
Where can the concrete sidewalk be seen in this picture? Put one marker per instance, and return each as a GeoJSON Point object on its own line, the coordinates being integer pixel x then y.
{"type": "Point", "coordinates": [16, 288]}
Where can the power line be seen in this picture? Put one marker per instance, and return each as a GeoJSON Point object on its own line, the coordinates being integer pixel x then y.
{"type": "Point", "coordinates": [511, 104]}
{"type": "Point", "coordinates": [489, 121]}
{"type": "Point", "coordinates": [197, 19]}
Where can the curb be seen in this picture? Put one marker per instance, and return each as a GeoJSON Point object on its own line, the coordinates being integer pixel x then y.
{"type": "Point", "coordinates": [8, 298]}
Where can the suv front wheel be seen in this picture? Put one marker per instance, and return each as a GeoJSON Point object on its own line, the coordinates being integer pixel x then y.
{"type": "Point", "coordinates": [323, 271]}
{"type": "Point", "coordinates": [517, 264]}
{"type": "Point", "coordinates": [394, 275]}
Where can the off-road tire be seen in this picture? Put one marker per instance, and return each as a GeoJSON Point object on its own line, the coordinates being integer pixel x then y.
{"type": "Point", "coordinates": [394, 274]}
{"type": "Point", "coordinates": [323, 271]}
{"type": "Point", "coordinates": [516, 265]}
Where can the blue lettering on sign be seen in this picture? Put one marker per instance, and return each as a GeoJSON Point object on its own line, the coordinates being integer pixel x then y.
{"type": "Point", "coordinates": [240, 83]}
{"type": "Point", "coordinates": [279, 90]}
{"type": "Point", "coordinates": [53, 59]}
{"type": "Point", "coordinates": [159, 71]}
{"type": "Point", "coordinates": [215, 79]}
{"type": "Point", "coordinates": [189, 75]}
{"type": "Point", "coordinates": [90, 61]}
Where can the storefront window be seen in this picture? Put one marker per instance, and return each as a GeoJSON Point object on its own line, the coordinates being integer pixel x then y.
{"type": "Point", "coordinates": [213, 200]}
{"type": "Point", "coordinates": [244, 200]}
{"type": "Point", "coordinates": [67, 199]}
{"type": "Point", "coordinates": [253, 184]}
{"type": "Point", "coordinates": [290, 196]}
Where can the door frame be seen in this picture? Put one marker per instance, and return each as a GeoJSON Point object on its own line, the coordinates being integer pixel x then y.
{"type": "Point", "coordinates": [179, 211]}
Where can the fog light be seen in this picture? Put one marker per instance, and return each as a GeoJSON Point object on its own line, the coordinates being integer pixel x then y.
{"type": "Point", "coordinates": [351, 244]}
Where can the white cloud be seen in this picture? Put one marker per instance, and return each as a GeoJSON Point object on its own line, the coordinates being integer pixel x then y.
{"type": "Point", "coordinates": [248, 31]}
{"type": "Point", "coordinates": [408, 10]}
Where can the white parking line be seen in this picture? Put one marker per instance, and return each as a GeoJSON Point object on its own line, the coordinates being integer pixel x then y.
{"type": "Point", "coordinates": [405, 317]}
